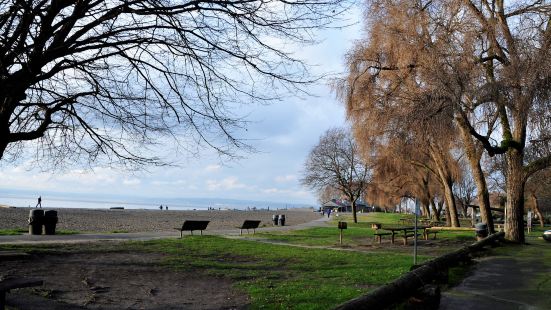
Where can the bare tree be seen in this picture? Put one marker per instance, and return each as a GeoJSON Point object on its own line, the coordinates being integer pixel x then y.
{"type": "Point", "coordinates": [335, 162]}
{"type": "Point", "coordinates": [110, 79]}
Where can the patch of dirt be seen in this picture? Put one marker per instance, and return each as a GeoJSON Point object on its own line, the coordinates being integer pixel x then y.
{"type": "Point", "coordinates": [122, 281]}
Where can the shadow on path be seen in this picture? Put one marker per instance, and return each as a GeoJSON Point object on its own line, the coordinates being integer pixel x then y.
{"type": "Point", "coordinates": [501, 283]}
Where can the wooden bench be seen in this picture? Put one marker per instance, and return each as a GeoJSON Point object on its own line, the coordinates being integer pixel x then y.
{"type": "Point", "coordinates": [11, 283]}
{"type": "Point", "coordinates": [409, 234]}
{"type": "Point", "coordinates": [193, 225]}
{"type": "Point", "coordinates": [433, 232]}
{"type": "Point", "coordinates": [249, 224]}
{"type": "Point", "coordinates": [379, 235]}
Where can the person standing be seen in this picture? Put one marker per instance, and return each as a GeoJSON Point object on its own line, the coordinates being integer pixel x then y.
{"type": "Point", "coordinates": [39, 203]}
{"type": "Point", "coordinates": [328, 213]}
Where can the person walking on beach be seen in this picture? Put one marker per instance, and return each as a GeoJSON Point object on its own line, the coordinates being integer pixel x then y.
{"type": "Point", "coordinates": [39, 203]}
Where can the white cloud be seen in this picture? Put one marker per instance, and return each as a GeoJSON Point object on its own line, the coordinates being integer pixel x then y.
{"type": "Point", "coordinates": [132, 181]}
{"type": "Point", "coordinates": [213, 168]}
{"type": "Point", "coordinates": [286, 178]}
{"type": "Point", "coordinates": [229, 183]}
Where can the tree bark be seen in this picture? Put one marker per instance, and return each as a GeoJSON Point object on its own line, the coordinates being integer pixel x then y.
{"type": "Point", "coordinates": [473, 157]}
{"type": "Point", "coordinates": [354, 210]}
{"type": "Point", "coordinates": [536, 208]}
{"type": "Point", "coordinates": [450, 204]}
{"type": "Point", "coordinates": [435, 214]}
{"type": "Point", "coordinates": [514, 221]}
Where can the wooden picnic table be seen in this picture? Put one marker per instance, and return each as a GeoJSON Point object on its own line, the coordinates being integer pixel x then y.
{"type": "Point", "coordinates": [406, 231]}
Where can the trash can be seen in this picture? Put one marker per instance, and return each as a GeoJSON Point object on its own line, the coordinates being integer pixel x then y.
{"type": "Point", "coordinates": [50, 221]}
{"type": "Point", "coordinates": [481, 230]}
{"type": "Point", "coordinates": [281, 220]}
{"type": "Point", "coordinates": [275, 218]}
{"type": "Point", "coordinates": [36, 218]}
{"type": "Point", "coordinates": [547, 235]}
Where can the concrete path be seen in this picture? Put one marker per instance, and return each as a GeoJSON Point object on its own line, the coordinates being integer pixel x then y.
{"type": "Point", "coordinates": [501, 283]}
{"type": "Point", "coordinates": [79, 238]}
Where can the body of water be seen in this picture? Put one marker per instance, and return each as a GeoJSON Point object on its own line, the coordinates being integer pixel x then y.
{"type": "Point", "coordinates": [54, 200]}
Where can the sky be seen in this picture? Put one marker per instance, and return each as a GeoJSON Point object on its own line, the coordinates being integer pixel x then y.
{"type": "Point", "coordinates": [284, 133]}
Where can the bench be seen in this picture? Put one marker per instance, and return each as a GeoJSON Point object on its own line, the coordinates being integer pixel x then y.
{"type": "Point", "coordinates": [433, 232]}
{"type": "Point", "coordinates": [249, 224]}
{"type": "Point", "coordinates": [191, 226]}
{"type": "Point", "coordinates": [11, 283]}
{"type": "Point", "coordinates": [379, 235]}
{"type": "Point", "coordinates": [409, 234]}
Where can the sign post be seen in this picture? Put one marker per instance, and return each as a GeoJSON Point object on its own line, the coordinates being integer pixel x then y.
{"type": "Point", "coordinates": [415, 232]}
{"type": "Point", "coordinates": [342, 225]}
{"type": "Point", "coordinates": [529, 221]}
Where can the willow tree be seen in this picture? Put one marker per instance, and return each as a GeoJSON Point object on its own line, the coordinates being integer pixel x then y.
{"type": "Point", "coordinates": [337, 163]}
{"type": "Point", "coordinates": [112, 79]}
{"type": "Point", "coordinates": [488, 60]}
{"type": "Point", "coordinates": [396, 107]}
{"type": "Point", "coordinates": [406, 171]}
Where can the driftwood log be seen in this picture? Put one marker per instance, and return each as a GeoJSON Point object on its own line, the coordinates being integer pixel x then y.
{"type": "Point", "coordinates": [405, 286]}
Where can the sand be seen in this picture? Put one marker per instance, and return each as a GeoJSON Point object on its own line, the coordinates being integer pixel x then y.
{"type": "Point", "coordinates": [128, 220]}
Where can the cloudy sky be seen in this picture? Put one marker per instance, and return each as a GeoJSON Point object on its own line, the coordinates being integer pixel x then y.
{"type": "Point", "coordinates": [283, 134]}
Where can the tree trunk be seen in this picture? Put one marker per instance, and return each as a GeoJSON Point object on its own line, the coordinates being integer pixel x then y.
{"type": "Point", "coordinates": [440, 208]}
{"type": "Point", "coordinates": [446, 180]}
{"type": "Point", "coordinates": [355, 217]}
{"type": "Point", "coordinates": [435, 215]}
{"type": "Point", "coordinates": [474, 156]}
{"type": "Point", "coordinates": [425, 209]}
{"type": "Point", "coordinates": [514, 220]}
{"type": "Point", "coordinates": [450, 204]}
{"type": "Point", "coordinates": [536, 208]}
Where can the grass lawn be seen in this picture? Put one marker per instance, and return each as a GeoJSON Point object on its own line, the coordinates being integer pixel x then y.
{"type": "Point", "coordinates": [278, 276]}
{"type": "Point", "coordinates": [359, 236]}
{"type": "Point", "coordinates": [274, 276]}
{"type": "Point", "coordinates": [21, 231]}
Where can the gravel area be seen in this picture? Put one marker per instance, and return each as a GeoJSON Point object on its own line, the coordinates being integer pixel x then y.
{"type": "Point", "coordinates": [129, 220]}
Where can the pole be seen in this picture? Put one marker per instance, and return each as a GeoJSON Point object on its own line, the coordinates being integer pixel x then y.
{"type": "Point", "coordinates": [415, 232]}
{"type": "Point", "coordinates": [340, 237]}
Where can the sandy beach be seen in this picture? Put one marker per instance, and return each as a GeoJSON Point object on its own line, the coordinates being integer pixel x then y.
{"type": "Point", "coordinates": [130, 220]}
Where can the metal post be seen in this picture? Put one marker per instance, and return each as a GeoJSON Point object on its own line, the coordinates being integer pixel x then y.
{"type": "Point", "coordinates": [415, 232]}
{"type": "Point", "coordinates": [340, 237]}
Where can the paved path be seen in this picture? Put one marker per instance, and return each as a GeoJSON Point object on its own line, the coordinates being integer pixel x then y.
{"type": "Point", "coordinates": [79, 238]}
{"type": "Point", "coordinates": [501, 283]}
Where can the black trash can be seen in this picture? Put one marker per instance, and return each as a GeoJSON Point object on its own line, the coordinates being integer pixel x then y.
{"type": "Point", "coordinates": [481, 230]}
{"type": "Point", "coordinates": [50, 221]}
{"type": "Point", "coordinates": [36, 220]}
{"type": "Point", "coordinates": [275, 219]}
{"type": "Point", "coordinates": [282, 220]}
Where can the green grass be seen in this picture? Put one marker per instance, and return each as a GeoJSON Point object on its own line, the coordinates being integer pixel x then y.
{"type": "Point", "coordinates": [280, 276]}
{"type": "Point", "coordinates": [283, 277]}
{"type": "Point", "coordinates": [21, 231]}
{"type": "Point", "coordinates": [12, 232]}
{"type": "Point", "coordinates": [273, 276]}
{"type": "Point", "coordinates": [362, 235]}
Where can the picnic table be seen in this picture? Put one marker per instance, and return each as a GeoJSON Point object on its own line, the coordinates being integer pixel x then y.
{"type": "Point", "coordinates": [406, 231]}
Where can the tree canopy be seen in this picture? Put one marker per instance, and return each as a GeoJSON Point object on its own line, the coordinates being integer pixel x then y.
{"type": "Point", "coordinates": [485, 64]}
{"type": "Point", "coordinates": [335, 162]}
{"type": "Point", "coordinates": [92, 79]}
